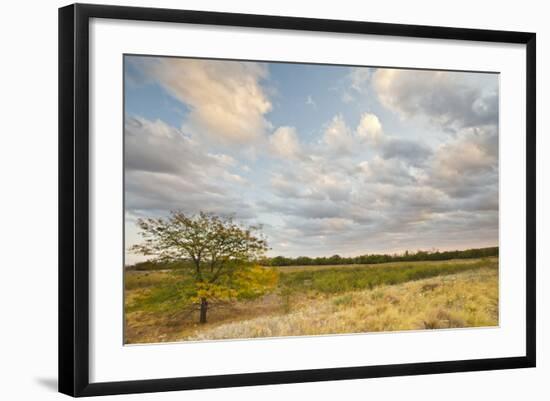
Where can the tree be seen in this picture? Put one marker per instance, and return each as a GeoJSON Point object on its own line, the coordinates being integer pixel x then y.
{"type": "Point", "coordinates": [220, 251]}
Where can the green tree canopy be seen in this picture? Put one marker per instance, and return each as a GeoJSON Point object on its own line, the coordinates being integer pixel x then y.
{"type": "Point", "coordinates": [222, 255]}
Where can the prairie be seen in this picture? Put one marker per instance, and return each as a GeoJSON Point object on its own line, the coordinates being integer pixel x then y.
{"type": "Point", "coordinates": [315, 300]}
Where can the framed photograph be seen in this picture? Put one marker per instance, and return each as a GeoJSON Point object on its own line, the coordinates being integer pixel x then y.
{"type": "Point", "coordinates": [251, 199]}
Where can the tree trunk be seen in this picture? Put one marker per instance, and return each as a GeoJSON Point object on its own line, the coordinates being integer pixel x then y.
{"type": "Point", "coordinates": [204, 308]}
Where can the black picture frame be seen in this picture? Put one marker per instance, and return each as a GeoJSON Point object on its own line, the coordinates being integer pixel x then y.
{"type": "Point", "coordinates": [74, 198]}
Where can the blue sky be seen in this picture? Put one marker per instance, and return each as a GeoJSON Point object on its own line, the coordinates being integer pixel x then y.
{"type": "Point", "coordinates": [329, 159]}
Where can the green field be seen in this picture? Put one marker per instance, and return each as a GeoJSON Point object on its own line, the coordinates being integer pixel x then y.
{"type": "Point", "coordinates": [309, 300]}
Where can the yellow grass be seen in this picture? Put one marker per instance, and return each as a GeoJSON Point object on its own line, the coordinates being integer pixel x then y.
{"type": "Point", "coordinates": [468, 299]}
{"type": "Point", "coordinates": [304, 305]}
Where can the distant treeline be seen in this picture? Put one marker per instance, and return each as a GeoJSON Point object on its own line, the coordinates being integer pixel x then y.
{"type": "Point", "coordinates": [153, 265]}
{"type": "Point", "coordinates": [373, 259]}
{"type": "Point", "coordinates": [340, 260]}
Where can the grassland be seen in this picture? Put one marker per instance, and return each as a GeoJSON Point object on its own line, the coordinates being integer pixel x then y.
{"type": "Point", "coordinates": [312, 300]}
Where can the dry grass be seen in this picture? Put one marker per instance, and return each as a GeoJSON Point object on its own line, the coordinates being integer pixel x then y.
{"type": "Point", "coordinates": [314, 300]}
{"type": "Point", "coordinates": [468, 299]}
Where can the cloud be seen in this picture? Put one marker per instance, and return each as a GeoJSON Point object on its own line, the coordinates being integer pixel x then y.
{"type": "Point", "coordinates": [284, 142]}
{"type": "Point", "coordinates": [400, 194]}
{"type": "Point", "coordinates": [413, 152]}
{"type": "Point", "coordinates": [226, 100]}
{"type": "Point", "coordinates": [154, 194]}
{"type": "Point", "coordinates": [474, 151]}
{"type": "Point", "coordinates": [330, 186]}
{"type": "Point", "coordinates": [145, 140]}
{"type": "Point", "coordinates": [224, 160]}
{"type": "Point", "coordinates": [359, 78]}
{"type": "Point", "coordinates": [467, 165]}
{"type": "Point", "coordinates": [386, 171]}
{"type": "Point", "coordinates": [312, 183]}
{"type": "Point", "coordinates": [397, 191]}
{"type": "Point", "coordinates": [347, 97]}
{"type": "Point", "coordinates": [370, 128]}
{"type": "Point", "coordinates": [334, 187]}
{"type": "Point", "coordinates": [325, 226]}
{"type": "Point", "coordinates": [304, 208]}
{"type": "Point", "coordinates": [337, 136]}
{"type": "Point", "coordinates": [370, 131]}
{"type": "Point", "coordinates": [165, 169]}
{"type": "Point", "coordinates": [285, 188]}
{"type": "Point", "coordinates": [448, 99]}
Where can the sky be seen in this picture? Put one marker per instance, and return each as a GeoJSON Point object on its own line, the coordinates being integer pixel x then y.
{"type": "Point", "coordinates": [328, 159]}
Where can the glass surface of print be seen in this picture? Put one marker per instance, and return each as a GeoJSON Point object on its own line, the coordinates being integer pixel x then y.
{"type": "Point", "coordinates": [269, 199]}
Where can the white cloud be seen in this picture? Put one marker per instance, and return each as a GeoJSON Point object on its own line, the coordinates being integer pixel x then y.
{"type": "Point", "coordinates": [324, 192]}
{"type": "Point", "coordinates": [413, 152]}
{"type": "Point", "coordinates": [448, 99]}
{"type": "Point", "coordinates": [165, 169]}
{"type": "Point", "coordinates": [285, 187]}
{"type": "Point", "coordinates": [467, 165]}
{"type": "Point", "coordinates": [310, 101]}
{"type": "Point", "coordinates": [312, 183]}
{"type": "Point", "coordinates": [462, 157]}
{"type": "Point", "coordinates": [359, 82]}
{"type": "Point", "coordinates": [334, 187]}
{"type": "Point", "coordinates": [364, 167]}
{"type": "Point", "coordinates": [347, 97]}
{"type": "Point", "coordinates": [145, 140]}
{"type": "Point", "coordinates": [284, 142]}
{"type": "Point", "coordinates": [360, 78]}
{"type": "Point", "coordinates": [370, 128]}
{"type": "Point", "coordinates": [226, 100]}
{"type": "Point", "coordinates": [337, 135]}
{"type": "Point", "coordinates": [234, 178]}
{"type": "Point", "coordinates": [327, 226]}
{"type": "Point", "coordinates": [387, 171]}
{"type": "Point", "coordinates": [473, 151]}
{"type": "Point", "coordinates": [224, 160]}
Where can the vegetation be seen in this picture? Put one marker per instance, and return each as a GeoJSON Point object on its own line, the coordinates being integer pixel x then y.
{"type": "Point", "coordinates": [202, 261]}
{"type": "Point", "coordinates": [337, 280]}
{"type": "Point", "coordinates": [337, 260]}
{"type": "Point", "coordinates": [218, 255]}
{"type": "Point", "coordinates": [372, 259]}
{"type": "Point", "coordinates": [467, 299]}
{"type": "Point", "coordinates": [299, 300]}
